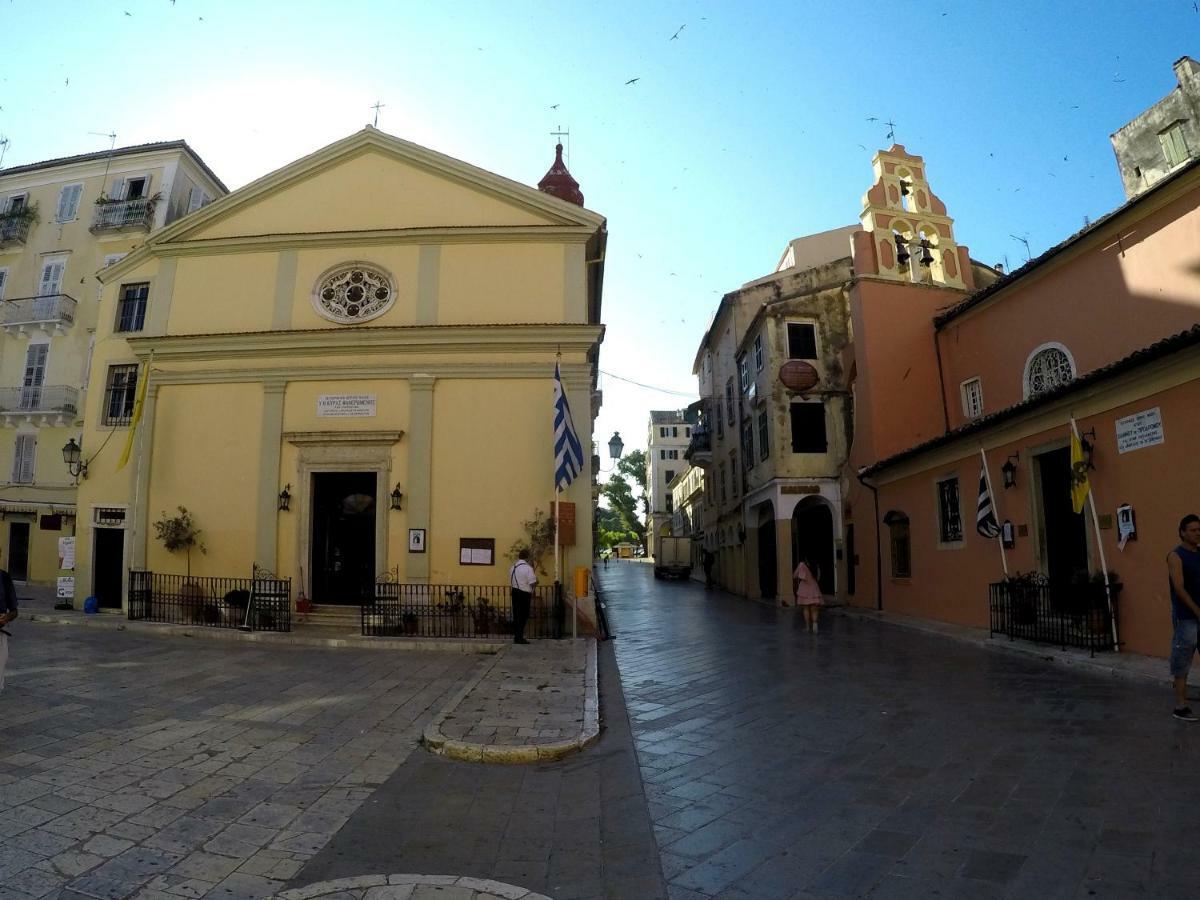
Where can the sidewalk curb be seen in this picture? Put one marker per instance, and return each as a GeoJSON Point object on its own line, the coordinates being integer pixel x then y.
{"type": "Point", "coordinates": [516, 754]}
{"type": "Point", "coordinates": [377, 886]}
{"type": "Point", "coordinates": [1115, 665]}
{"type": "Point", "coordinates": [291, 639]}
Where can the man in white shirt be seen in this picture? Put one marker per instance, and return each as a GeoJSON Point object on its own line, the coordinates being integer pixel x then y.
{"type": "Point", "coordinates": [522, 579]}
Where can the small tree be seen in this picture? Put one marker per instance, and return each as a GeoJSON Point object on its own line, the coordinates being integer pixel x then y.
{"type": "Point", "coordinates": [539, 538]}
{"type": "Point", "coordinates": [180, 533]}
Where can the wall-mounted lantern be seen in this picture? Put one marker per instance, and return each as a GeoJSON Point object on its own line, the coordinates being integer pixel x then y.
{"type": "Point", "coordinates": [396, 496]}
{"type": "Point", "coordinates": [73, 457]}
{"type": "Point", "coordinates": [1009, 471]}
{"type": "Point", "coordinates": [615, 446]}
{"type": "Point", "coordinates": [285, 498]}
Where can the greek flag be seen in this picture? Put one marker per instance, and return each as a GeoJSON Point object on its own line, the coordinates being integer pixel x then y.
{"type": "Point", "coordinates": [985, 515]}
{"type": "Point", "coordinates": [568, 452]}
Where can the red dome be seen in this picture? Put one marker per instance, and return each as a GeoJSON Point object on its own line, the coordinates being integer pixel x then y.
{"type": "Point", "coordinates": [558, 181]}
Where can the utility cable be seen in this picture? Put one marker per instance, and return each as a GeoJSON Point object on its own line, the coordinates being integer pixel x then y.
{"type": "Point", "coordinates": [649, 387]}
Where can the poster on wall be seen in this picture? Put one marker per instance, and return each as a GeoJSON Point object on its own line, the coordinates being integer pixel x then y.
{"type": "Point", "coordinates": [1143, 429]}
{"type": "Point", "coordinates": [416, 540]}
{"type": "Point", "coordinates": [66, 553]}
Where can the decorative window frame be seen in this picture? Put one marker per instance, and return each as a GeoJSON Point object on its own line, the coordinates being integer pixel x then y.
{"type": "Point", "coordinates": [966, 390]}
{"type": "Point", "coordinates": [330, 316]}
{"type": "Point", "coordinates": [1049, 345]}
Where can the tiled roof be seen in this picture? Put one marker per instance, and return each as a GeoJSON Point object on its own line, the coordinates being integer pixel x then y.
{"type": "Point", "coordinates": [1017, 274]}
{"type": "Point", "coordinates": [119, 151]}
{"type": "Point", "coordinates": [1173, 344]}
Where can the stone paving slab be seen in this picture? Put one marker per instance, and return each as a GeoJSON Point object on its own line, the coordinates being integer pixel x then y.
{"type": "Point", "coordinates": [532, 702]}
{"type": "Point", "coordinates": [174, 768]}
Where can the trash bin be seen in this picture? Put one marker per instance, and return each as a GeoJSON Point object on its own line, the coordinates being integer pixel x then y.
{"type": "Point", "coordinates": [91, 605]}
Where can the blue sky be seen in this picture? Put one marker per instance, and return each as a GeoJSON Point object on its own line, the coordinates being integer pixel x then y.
{"type": "Point", "coordinates": [745, 131]}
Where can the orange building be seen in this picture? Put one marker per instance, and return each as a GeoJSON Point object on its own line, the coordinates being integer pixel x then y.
{"type": "Point", "coordinates": [946, 373]}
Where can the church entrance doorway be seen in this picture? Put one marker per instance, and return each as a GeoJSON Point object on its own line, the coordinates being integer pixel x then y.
{"type": "Point", "coordinates": [1064, 532]}
{"type": "Point", "coordinates": [343, 537]}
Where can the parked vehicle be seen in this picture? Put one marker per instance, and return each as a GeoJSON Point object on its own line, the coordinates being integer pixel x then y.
{"type": "Point", "coordinates": [673, 557]}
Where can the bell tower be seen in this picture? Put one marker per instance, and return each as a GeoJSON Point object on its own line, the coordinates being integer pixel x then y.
{"type": "Point", "coordinates": [913, 237]}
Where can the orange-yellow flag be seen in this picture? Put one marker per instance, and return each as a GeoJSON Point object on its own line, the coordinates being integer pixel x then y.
{"type": "Point", "coordinates": [1080, 486]}
{"type": "Point", "coordinates": [138, 403]}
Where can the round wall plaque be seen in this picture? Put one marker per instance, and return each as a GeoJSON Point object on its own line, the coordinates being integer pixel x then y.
{"type": "Point", "coordinates": [798, 376]}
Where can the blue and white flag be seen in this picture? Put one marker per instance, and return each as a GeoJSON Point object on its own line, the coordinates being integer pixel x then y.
{"type": "Point", "coordinates": [568, 452]}
{"type": "Point", "coordinates": [985, 514]}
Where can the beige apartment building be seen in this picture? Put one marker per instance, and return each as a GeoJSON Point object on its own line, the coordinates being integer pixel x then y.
{"type": "Point", "coordinates": [61, 221]}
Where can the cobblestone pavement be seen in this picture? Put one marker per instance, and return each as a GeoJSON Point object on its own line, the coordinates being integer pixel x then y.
{"type": "Point", "coordinates": [870, 760]}
{"type": "Point", "coordinates": [572, 829]}
{"type": "Point", "coordinates": [170, 768]}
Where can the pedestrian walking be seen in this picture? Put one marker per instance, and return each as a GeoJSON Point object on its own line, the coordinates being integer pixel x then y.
{"type": "Point", "coordinates": [708, 560]}
{"type": "Point", "coordinates": [522, 579]}
{"type": "Point", "coordinates": [606, 556]}
{"type": "Point", "coordinates": [808, 593]}
{"type": "Point", "coordinates": [1183, 570]}
{"type": "Point", "coordinates": [8, 612]}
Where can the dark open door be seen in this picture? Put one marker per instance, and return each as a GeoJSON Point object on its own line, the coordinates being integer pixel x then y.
{"type": "Point", "coordinates": [108, 562]}
{"type": "Point", "coordinates": [343, 537]}
{"type": "Point", "coordinates": [1064, 530]}
{"type": "Point", "coordinates": [18, 551]}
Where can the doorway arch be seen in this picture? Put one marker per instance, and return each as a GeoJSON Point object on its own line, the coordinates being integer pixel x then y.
{"type": "Point", "coordinates": [768, 565]}
{"type": "Point", "coordinates": [813, 540]}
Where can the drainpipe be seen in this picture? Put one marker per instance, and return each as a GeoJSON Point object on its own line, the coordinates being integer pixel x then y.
{"type": "Point", "coordinates": [937, 349]}
{"type": "Point", "coordinates": [862, 479]}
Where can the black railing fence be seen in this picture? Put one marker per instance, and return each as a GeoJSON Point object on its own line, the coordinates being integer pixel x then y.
{"type": "Point", "coordinates": [261, 603]}
{"type": "Point", "coordinates": [458, 611]}
{"type": "Point", "coordinates": [1069, 615]}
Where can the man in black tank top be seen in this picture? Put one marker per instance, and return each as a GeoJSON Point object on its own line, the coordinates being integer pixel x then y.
{"type": "Point", "coordinates": [1183, 568]}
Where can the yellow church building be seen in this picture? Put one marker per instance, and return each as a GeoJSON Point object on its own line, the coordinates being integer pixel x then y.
{"type": "Point", "coordinates": [349, 376]}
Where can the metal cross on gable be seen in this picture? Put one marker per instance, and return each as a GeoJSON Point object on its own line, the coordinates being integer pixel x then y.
{"type": "Point", "coordinates": [567, 143]}
{"type": "Point", "coordinates": [891, 135]}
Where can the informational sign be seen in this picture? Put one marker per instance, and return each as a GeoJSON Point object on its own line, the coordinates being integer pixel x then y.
{"type": "Point", "coordinates": [477, 551]}
{"type": "Point", "coordinates": [1144, 429]}
{"type": "Point", "coordinates": [66, 587]}
{"type": "Point", "coordinates": [416, 540]}
{"type": "Point", "coordinates": [800, 489]}
{"type": "Point", "coordinates": [346, 406]}
{"type": "Point", "coordinates": [566, 523]}
{"type": "Point", "coordinates": [66, 553]}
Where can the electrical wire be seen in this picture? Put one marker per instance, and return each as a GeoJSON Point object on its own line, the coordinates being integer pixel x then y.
{"type": "Point", "coordinates": [649, 387]}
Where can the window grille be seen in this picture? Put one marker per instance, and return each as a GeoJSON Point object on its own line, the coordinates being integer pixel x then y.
{"type": "Point", "coordinates": [949, 512]}
{"type": "Point", "coordinates": [119, 394]}
{"type": "Point", "coordinates": [1049, 369]}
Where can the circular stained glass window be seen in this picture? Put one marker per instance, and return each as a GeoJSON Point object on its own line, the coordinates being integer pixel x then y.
{"type": "Point", "coordinates": [354, 293]}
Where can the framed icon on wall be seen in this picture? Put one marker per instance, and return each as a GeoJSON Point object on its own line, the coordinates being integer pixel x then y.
{"type": "Point", "coordinates": [416, 540]}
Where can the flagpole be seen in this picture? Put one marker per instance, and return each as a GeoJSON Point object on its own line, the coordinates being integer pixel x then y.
{"type": "Point", "coordinates": [987, 476]}
{"type": "Point", "coordinates": [1091, 497]}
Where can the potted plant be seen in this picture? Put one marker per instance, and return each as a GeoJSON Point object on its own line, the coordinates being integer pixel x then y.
{"type": "Point", "coordinates": [177, 533]}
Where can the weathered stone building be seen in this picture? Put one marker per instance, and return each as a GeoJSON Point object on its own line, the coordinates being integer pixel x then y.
{"type": "Point", "coordinates": [1164, 137]}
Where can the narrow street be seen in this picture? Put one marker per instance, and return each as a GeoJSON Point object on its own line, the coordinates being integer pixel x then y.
{"type": "Point", "coordinates": [872, 760]}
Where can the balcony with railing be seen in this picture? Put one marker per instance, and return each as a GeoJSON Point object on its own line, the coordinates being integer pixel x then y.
{"type": "Point", "coordinates": [699, 449]}
{"type": "Point", "coordinates": [14, 227]}
{"type": "Point", "coordinates": [42, 404]}
{"type": "Point", "coordinates": [51, 313]}
{"type": "Point", "coordinates": [123, 215]}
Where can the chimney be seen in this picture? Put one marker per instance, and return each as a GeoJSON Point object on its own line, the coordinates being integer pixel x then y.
{"type": "Point", "coordinates": [999, 267]}
{"type": "Point", "coordinates": [1186, 69]}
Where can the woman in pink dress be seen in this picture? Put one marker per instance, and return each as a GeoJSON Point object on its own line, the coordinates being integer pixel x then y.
{"type": "Point", "coordinates": [808, 594]}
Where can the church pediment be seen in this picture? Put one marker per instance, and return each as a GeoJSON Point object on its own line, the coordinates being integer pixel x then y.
{"type": "Point", "coordinates": [374, 182]}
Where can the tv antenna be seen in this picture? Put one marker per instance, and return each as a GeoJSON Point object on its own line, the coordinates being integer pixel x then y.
{"type": "Point", "coordinates": [4, 142]}
{"type": "Point", "coordinates": [1025, 241]}
{"type": "Point", "coordinates": [112, 144]}
{"type": "Point", "coordinates": [377, 107]}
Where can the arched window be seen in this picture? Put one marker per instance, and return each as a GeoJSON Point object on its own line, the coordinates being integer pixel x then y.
{"type": "Point", "coordinates": [1048, 367]}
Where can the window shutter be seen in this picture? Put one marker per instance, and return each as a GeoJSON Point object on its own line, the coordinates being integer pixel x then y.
{"type": "Point", "coordinates": [64, 201]}
{"type": "Point", "coordinates": [3, 278]}
{"type": "Point", "coordinates": [24, 455]}
{"type": "Point", "coordinates": [116, 190]}
{"type": "Point", "coordinates": [52, 274]}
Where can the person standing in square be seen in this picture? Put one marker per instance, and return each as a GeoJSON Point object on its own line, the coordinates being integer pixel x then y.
{"type": "Point", "coordinates": [521, 579]}
{"type": "Point", "coordinates": [808, 594]}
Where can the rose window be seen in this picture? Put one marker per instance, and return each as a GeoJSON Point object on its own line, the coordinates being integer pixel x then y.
{"type": "Point", "coordinates": [353, 294]}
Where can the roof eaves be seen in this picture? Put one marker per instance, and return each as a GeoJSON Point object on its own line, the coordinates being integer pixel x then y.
{"type": "Point", "coordinates": [1165, 347]}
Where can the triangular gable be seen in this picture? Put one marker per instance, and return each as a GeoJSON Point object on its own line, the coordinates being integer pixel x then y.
{"type": "Point", "coordinates": [408, 187]}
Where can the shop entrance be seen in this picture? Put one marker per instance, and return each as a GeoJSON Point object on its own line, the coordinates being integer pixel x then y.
{"type": "Point", "coordinates": [343, 537]}
{"type": "Point", "coordinates": [107, 567]}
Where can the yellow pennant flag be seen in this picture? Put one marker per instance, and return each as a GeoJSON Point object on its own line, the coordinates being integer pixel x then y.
{"type": "Point", "coordinates": [138, 403]}
{"type": "Point", "coordinates": [1080, 486]}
